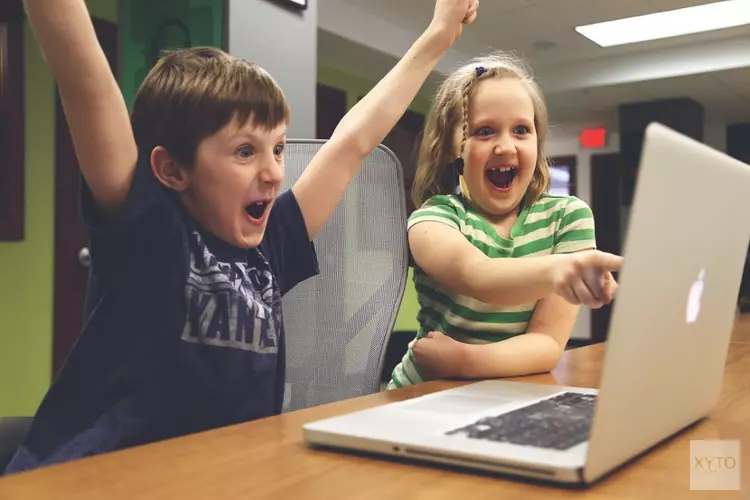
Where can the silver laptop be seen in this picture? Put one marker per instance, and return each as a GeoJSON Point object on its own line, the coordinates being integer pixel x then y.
{"type": "Point", "coordinates": [665, 354]}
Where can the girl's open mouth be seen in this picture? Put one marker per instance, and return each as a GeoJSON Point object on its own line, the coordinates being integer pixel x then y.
{"type": "Point", "coordinates": [501, 178]}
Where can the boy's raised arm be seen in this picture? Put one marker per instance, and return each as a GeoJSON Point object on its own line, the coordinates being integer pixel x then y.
{"type": "Point", "coordinates": [365, 126]}
{"type": "Point", "coordinates": [93, 103]}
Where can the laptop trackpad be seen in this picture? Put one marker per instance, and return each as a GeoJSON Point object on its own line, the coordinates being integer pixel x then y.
{"type": "Point", "coordinates": [456, 404]}
{"type": "Point", "coordinates": [479, 397]}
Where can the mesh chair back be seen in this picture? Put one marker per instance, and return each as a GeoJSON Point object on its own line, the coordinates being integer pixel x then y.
{"type": "Point", "coordinates": [337, 324]}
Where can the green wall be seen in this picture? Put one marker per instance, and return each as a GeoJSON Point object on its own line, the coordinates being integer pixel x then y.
{"type": "Point", "coordinates": [204, 19]}
{"type": "Point", "coordinates": [26, 289]}
{"type": "Point", "coordinates": [355, 87]}
{"type": "Point", "coordinates": [407, 314]}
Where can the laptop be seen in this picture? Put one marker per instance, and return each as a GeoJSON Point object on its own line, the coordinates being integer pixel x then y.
{"type": "Point", "coordinates": [664, 362]}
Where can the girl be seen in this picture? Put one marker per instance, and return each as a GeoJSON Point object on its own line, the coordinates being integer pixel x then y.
{"type": "Point", "coordinates": [501, 268]}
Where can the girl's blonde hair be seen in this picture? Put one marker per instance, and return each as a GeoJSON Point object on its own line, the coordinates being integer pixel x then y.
{"type": "Point", "coordinates": [450, 109]}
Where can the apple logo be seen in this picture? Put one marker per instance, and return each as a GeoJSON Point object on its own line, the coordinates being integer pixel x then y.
{"type": "Point", "coordinates": [694, 298]}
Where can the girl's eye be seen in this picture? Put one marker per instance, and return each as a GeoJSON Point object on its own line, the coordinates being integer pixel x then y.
{"type": "Point", "coordinates": [483, 131]}
{"type": "Point", "coordinates": [521, 130]}
{"type": "Point", "coordinates": [278, 150]}
{"type": "Point", "coordinates": [244, 152]}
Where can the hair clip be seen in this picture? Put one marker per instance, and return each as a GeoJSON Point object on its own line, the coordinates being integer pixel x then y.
{"type": "Point", "coordinates": [480, 70]}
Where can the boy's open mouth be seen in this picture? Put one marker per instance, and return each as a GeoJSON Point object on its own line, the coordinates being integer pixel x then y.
{"type": "Point", "coordinates": [257, 209]}
{"type": "Point", "coordinates": [501, 177]}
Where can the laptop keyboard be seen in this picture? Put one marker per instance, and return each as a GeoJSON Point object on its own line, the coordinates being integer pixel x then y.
{"type": "Point", "coordinates": [560, 422]}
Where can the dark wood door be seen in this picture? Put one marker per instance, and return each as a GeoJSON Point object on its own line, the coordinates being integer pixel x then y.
{"type": "Point", "coordinates": [71, 243]}
{"type": "Point", "coordinates": [330, 109]}
{"type": "Point", "coordinates": [738, 146]}
{"type": "Point", "coordinates": [606, 204]}
{"type": "Point", "coordinates": [403, 140]}
{"type": "Point", "coordinates": [11, 121]}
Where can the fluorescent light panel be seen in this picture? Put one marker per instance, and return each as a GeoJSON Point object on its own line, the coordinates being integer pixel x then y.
{"type": "Point", "coordinates": [708, 17]}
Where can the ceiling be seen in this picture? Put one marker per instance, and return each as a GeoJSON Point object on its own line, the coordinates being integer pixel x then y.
{"type": "Point", "coordinates": [542, 31]}
{"type": "Point", "coordinates": [518, 25]}
{"type": "Point", "coordinates": [725, 96]}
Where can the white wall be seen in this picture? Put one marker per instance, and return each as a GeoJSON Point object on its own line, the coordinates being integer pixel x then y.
{"type": "Point", "coordinates": [285, 43]}
{"type": "Point", "coordinates": [564, 142]}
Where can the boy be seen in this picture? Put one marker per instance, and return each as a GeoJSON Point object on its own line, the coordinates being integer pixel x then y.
{"type": "Point", "coordinates": [192, 244]}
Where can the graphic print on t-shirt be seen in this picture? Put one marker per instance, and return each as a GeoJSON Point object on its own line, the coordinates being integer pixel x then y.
{"type": "Point", "coordinates": [230, 304]}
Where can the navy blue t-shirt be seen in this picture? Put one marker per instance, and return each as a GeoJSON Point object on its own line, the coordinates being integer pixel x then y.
{"type": "Point", "coordinates": [184, 332]}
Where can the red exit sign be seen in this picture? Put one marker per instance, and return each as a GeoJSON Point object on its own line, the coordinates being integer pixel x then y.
{"type": "Point", "coordinates": [592, 138]}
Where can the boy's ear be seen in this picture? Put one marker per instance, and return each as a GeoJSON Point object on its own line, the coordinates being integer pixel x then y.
{"type": "Point", "coordinates": [168, 171]}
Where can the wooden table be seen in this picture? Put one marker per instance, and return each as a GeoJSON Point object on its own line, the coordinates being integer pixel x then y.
{"type": "Point", "coordinates": [268, 459]}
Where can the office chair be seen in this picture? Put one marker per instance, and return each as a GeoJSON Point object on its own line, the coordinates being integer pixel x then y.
{"type": "Point", "coordinates": [12, 432]}
{"type": "Point", "coordinates": [337, 324]}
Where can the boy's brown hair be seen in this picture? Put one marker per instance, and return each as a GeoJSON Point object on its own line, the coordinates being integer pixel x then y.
{"type": "Point", "coordinates": [190, 94]}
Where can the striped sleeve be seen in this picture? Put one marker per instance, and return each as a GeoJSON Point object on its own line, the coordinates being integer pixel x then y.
{"type": "Point", "coordinates": [576, 230]}
{"type": "Point", "coordinates": [439, 208]}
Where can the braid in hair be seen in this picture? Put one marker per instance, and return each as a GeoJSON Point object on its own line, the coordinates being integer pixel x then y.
{"type": "Point", "coordinates": [466, 91]}
{"type": "Point", "coordinates": [465, 117]}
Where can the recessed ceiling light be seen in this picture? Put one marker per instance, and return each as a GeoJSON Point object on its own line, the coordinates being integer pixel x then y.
{"type": "Point", "coordinates": [713, 16]}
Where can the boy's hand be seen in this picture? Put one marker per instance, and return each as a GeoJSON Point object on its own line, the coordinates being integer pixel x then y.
{"type": "Point", "coordinates": [438, 356]}
{"type": "Point", "coordinates": [451, 15]}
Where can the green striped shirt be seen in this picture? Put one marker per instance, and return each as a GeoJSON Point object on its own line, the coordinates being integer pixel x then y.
{"type": "Point", "coordinates": [554, 224]}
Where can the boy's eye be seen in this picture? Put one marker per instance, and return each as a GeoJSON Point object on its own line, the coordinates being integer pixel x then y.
{"type": "Point", "coordinates": [278, 150]}
{"type": "Point", "coordinates": [244, 152]}
{"type": "Point", "coordinates": [521, 130]}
